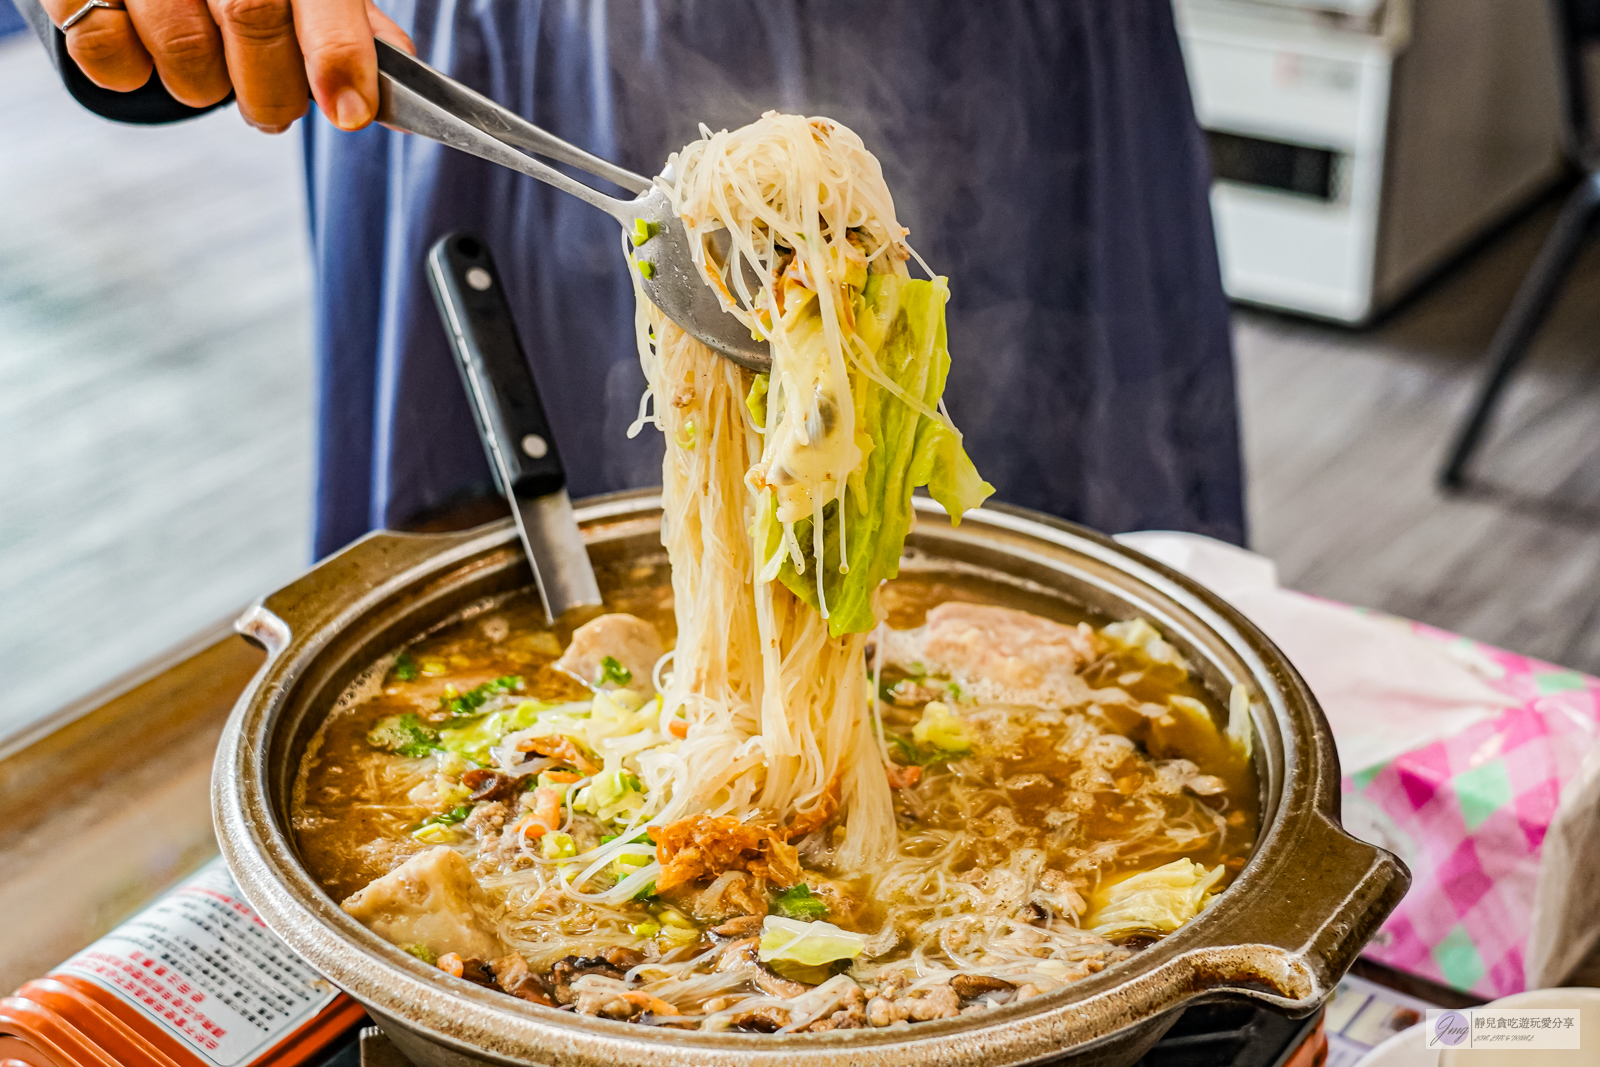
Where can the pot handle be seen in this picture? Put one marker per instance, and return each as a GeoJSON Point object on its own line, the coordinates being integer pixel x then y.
{"type": "Point", "coordinates": [1315, 907]}
{"type": "Point", "coordinates": [326, 590]}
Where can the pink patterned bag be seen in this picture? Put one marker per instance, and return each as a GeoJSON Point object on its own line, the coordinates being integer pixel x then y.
{"type": "Point", "coordinates": [1469, 816]}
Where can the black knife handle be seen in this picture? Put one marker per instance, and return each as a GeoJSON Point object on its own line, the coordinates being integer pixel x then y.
{"type": "Point", "coordinates": [505, 401]}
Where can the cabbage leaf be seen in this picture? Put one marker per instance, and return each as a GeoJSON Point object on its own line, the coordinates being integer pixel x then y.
{"type": "Point", "coordinates": [1155, 901]}
{"type": "Point", "coordinates": [808, 943]}
{"type": "Point", "coordinates": [941, 729]}
{"type": "Point", "coordinates": [903, 321]}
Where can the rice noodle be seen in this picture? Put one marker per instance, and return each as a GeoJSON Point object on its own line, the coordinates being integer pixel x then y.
{"type": "Point", "coordinates": [764, 710]}
{"type": "Point", "coordinates": [753, 663]}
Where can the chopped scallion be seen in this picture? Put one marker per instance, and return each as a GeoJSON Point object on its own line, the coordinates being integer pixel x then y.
{"type": "Point", "coordinates": [643, 231]}
{"type": "Point", "coordinates": [469, 702]}
{"type": "Point", "coordinates": [612, 670]}
{"type": "Point", "coordinates": [405, 735]}
{"type": "Point", "coordinates": [797, 902]}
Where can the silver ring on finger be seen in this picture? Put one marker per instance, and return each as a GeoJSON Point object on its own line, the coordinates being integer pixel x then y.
{"type": "Point", "coordinates": [83, 12]}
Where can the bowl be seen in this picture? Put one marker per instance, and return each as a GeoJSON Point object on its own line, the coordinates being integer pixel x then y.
{"type": "Point", "coordinates": [1282, 934]}
{"type": "Point", "coordinates": [1584, 1000]}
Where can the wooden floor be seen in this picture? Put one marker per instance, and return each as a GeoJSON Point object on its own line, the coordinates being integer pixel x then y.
{"type": "Point", "coordinates": [155, 398]}
{"type": "Point", "coordinates": [1344, 433]}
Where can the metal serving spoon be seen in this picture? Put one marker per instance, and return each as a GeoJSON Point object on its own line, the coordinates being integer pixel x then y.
{"type": "Point", "coordinates": [415, 98]}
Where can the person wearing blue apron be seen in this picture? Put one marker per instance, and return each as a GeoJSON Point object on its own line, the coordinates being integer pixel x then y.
{"type": "Point", "coordinates": [1043, 153]}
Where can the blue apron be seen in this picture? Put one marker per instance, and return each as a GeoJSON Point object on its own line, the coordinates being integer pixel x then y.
{"type": "Point", "coordinates": [1043, 153]}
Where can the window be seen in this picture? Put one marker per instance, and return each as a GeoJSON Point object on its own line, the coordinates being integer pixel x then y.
{"type": "Point", "coordinates": [155, 383]}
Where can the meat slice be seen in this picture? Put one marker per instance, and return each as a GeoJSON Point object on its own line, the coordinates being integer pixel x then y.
{"type": "Point", "coordinates": [742, 957]}
{"type": "Point", "coordinates": [628, 639]}
{"type": "Point", "coordinates": [570, 968]}
{"type": "Point", "coordinates": [968, 986]}
{"type": "Point", "coordinates": [997, 655]}
{"type": "Point", "coordinates": [743, 926]}
{"type": "Point", "coordinates": [491, 785]}
{"type": "Point", "coordinates": [511, 974]}
{"type": "Point", "coordinates": [430, 900]}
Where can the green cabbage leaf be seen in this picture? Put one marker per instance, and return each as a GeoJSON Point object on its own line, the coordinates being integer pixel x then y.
{"type": "Point", "coordinates": [1156, 901]}
{"type": "Point", "coordinates": [902, 320]}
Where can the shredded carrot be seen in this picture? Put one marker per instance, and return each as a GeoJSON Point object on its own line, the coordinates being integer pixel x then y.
{"type": "Point", "coordinates": [902, 777]}
{"type": "Point", "coordinates": [678, 727]}
{"type": "Point", "coordinates": [546, 815]}
{"type": "Point", "coordinates": [649, 1003]}
{"type": "Point", "coordinates": [560, 777]}
{"type": "Point", "coordinates": [557, 747]}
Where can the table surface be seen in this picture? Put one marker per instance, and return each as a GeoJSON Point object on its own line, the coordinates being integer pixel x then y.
{"type": "Point", "coordinates": [108, 802]}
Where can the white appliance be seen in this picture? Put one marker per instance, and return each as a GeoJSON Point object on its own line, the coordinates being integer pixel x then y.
{"type": "Point", "coordinates": [1358, 145]}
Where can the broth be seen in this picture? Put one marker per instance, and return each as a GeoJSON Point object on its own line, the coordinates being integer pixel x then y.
{"type": "Point", "coordinates": [1011, 848]}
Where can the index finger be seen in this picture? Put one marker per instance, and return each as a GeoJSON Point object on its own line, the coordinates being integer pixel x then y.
{"type": "Point", "coordinates": [341, 60]}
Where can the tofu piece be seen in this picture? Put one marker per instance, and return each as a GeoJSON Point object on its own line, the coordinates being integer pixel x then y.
{"type": "Point", "coordinates": [430, 900]}
{"type": "Point", "coordinates": [628, 639]}
{"type": "Point", "coordinates": [997, 655]}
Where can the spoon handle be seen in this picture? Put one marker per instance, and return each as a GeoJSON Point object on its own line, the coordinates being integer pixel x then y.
{"type": "Point", "coordinates": [415, 98]}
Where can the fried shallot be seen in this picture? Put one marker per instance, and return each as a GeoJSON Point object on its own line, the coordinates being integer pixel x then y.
{"type": "Point", "coordinates": [818, 814]}
{"type": "Point", "coordinates": [703, 846]}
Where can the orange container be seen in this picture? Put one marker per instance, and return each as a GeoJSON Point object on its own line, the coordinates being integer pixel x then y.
{"type": "Point", "coordinates": [194, 980]}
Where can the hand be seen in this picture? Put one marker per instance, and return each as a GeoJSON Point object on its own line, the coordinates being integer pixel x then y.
{"type": "Point", "coordinates": [271, 53]}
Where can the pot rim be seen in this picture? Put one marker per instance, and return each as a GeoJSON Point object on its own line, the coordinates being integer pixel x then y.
{"type": "Point", "coordinates": [1258, 940]}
